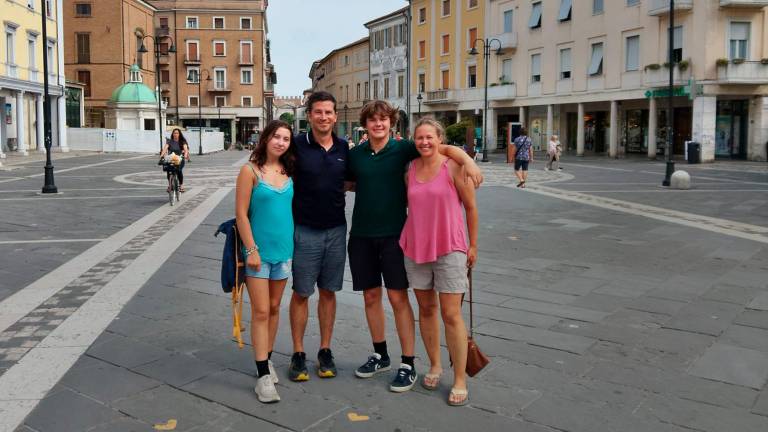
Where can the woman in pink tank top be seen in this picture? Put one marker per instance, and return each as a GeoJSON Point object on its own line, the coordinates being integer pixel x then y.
{"type": "Point", "coordinates": [434, 241]}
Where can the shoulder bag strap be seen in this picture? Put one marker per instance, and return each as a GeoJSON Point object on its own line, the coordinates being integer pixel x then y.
{"type": "Point", "coordinates": [471, 323]}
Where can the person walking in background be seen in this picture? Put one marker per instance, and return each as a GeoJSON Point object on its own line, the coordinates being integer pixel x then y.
{"type": "Point", "coordinates": [363, 138]}
{"type": "Point", "coordinates": [523, 151]}
{"type": "Point", "coordinates": [553, 154]}
{"type": "Point", "coordinates": [265, 223]}
{"type": "Point", "coordinates": [434, 241]}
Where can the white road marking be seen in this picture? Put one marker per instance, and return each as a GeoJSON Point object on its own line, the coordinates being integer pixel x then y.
{"type": "Point", "coordinates": [668, 190]}
{"type": "Point", "coordinates": [82, 189]}
{"type": "Point", "coordinates": [28, 381]}
{"type": "Point", "coordinates": [601, 167]}
{"type": "Point", "coordinates": [59, 198]}
{"type": "Point", "coordinates": [51, 241]}
{"type": "Point", "coordinates": [242, 160]}
{"type": "Point", "coordinates": [695, 176]}
{"type": "Point", "coordinates": [90, 165]}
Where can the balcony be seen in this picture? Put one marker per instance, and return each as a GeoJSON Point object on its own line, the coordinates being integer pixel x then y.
{"type": "Point", "coordinates": [660, 77]}
{"type": "Point", "coordinates": [661, 7]}
{"type": "Point", "coordinates": [164, 59]}
{"type": "Point", "coordinates": [162, 31]}
{"type": "Point", "coordinates": [508, 40]}
{"type": "Point", "coordinates": [165, 87]}
{"type": "Point", "coordinates": [748, 72]}
{"type": "Point", "coordinates": [245, 60]}
{"type": "Point", "coordinates": [502, 92]}
{"type": "Point", "coordinates": [192, 59]}
{"type": "Point", "coordinates": [220, 87]}
{"type": "Point", "coordinates": [439, 96]}
{"type": "Point", "coordinates": [757, 4]}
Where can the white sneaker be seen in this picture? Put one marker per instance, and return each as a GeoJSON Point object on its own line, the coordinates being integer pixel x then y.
{"type": "Point", "coordinates": [265, 390]}
{"type": "Point", "coordinates": [272, 372]}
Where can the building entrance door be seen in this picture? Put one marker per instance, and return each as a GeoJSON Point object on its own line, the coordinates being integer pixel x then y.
{"type": "Point", "coordinates": [731, 129]}
{"type": "Point", "coordinates": [683, 118]}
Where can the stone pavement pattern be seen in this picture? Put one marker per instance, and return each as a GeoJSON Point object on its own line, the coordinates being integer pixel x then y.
{"type": "Point", "coordinates": [596, 319]}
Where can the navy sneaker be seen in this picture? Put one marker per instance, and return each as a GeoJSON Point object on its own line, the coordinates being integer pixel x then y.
{"type": "Point", "coordinates": [297, 371]}
{"type": "Point", "coordinates": [326, 368]}
{"type": "Point", "coordinates": [404, 380]}
{"type": "Point", "coordinates": [373, 366]}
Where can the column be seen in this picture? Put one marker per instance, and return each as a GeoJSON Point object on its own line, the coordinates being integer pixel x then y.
{"type": "Point", "coordinates": [704, 112]}
{"type": "Point", "coordinates": [521, 114]}
{"type": "Point", "coordinates": [3, 130]}
{"type": "Point", "coordinates": [21, 138]}
{"type": "Point", "coordinates": [458, 116]}
{"type": "Point", "coordinates": [550, 122]}
{"type": "Point", "coordinates": [758, 129]}
{"type": "Point", "coordinates": [490, 134]}
{"type": "Point", "coordinates": [613, 135]}
{"type": "Point", "coordinates": [580, 130]}
{"type": "Point", "coordinates": [39, 119]}
{"type": "Point", "coordinates": [652, 120]}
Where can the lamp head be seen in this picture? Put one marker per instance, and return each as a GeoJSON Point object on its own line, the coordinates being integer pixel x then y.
{"type": "Point", "coordinates": [172, 48]}
{"type": "Point", "coordinates": [419, 97]}
{"type": "Point", "coordinates": [473, 51]}
{"type": "Point", "coordinates": [143, 49]}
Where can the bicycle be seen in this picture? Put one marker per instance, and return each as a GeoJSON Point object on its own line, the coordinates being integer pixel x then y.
{"type": "Point", "coordinates": [171, 163]}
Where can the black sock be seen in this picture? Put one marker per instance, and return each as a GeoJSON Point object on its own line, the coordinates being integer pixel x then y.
{"type": "Point", "coordinates": [269, 355]}
{"type": "Point", "coordinates": [381, 349]}
{"type": "Point", "coordinates": [408, 360]}
{"type": "Point", "coordinates": [262, 368]}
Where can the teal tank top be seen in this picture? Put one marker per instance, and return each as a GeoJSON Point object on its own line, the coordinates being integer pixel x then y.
{"type": "Point", "coordinates": [271, 217]}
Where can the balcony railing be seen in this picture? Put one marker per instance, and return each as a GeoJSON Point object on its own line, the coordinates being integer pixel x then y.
{"type": "Point", "coordinates": [219, 86]}
{"type": "Point", "coordinates": [660, 77]}
{"type": "Point", "coordinates": [245, 60]}
{"type": "Point", "coordinates": [164, 59]}
{"type": "Point", "coordinates": [508, 40]}
{"type": "Point", "coordinates": [661, 7]}
{"type": "Point", "coordinates": [162, 31]}
{"type": "Point", "coordinates": [165, 87]}
{"type": "Point", "coordinates": [744, 3]}
{"type": "Point", "coordinates": [439, 96]}
{"type": "Point", "coordinates": [502, 92]}
{"type": "Point", "coordinates": [191, 59]}
{"type": "Point", "coordinates": [748, 72]}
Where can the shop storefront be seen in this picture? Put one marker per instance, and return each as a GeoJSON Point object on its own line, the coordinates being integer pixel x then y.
{"type": "Point", "coordinates": [731, 129]}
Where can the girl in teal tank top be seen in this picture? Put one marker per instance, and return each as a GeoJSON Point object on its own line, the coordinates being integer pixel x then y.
{"type": "Point", "coordinates": [263, 208]}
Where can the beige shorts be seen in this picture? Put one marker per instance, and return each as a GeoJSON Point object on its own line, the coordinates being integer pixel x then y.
{"type": "Point", "coordinates": [446, 275]}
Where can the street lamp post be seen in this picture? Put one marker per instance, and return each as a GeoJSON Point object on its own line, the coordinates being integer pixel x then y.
{"type": "Point", "coordinates": [157, 40]}
{"type": "Point", "coordinates": [670, 105]}
{"type": "Point", "coordinates": [192, 78]}
{"type": "Point", "coordinates": [419, 98]}
{"type": "Point", "coordinates": [487, 45]}
{"type": "Point", "coordinates": [49, 186]}
{"type": "Point", "coordinates": [346, 107]}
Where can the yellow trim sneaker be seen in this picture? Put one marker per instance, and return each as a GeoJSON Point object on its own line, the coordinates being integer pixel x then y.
{"type": "Point", "coordinates": [297, 370]}
{"type": "Point", "coordinates": [326, 368]}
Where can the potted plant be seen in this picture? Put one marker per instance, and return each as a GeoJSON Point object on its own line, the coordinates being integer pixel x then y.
{"type": "Point", "coordinates": [682, 65]}
{"type": "Point", "coordinates": [653, 66]}
{"type": "Point", "coordinates": [764, 61]}
{"type": "Point", "coordinates": [737, 61]}
{"type": "Point", "coordinates": [721, 62]}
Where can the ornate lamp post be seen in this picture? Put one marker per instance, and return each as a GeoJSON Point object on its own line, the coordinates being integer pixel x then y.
{"type": "Point", "coordinates": [157, 40]}
{"type": "Point", "coordinates": [49, 186]}
{"type": "Point", "coordinates": [670, 104]}
{"type": "Point", "coordinates": [419, 98]}
{"type": "Point", "coordinates": [487, 45]}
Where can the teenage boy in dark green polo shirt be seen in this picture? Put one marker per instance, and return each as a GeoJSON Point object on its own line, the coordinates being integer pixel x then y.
{"type": "Point", "coordinates": [378, 169]}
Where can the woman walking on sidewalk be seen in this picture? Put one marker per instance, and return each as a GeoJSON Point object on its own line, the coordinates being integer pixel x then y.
{"type": "Point", "coordinates": [523, 151]}
{"type": "Point", "coordinates": [265, 224]}
{"type": "Point", "coordinates": [434, 241]}
{"type": "Point", "coordinates": [553, 154]}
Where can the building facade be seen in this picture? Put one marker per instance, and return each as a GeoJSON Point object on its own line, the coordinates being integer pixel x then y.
{"type": "Point", "coordinates": [597, 74]}
{"type": "Point", "coordinates": [344, 74]}
{"type": "Point", "coordinates": [101, 43]}
{"type": "Point", "coordinates": [220, 76]}
{"type": "Point", "coordinates": [21, 76]}
{"type": "Point", "coordinates": [388, 41]}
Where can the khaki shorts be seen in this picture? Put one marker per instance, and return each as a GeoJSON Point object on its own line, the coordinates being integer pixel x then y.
{"type": "Point", "coordinates": [446, 275]}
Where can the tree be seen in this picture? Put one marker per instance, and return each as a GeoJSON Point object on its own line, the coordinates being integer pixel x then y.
{"type": "Point", "coordinates": [456, 134]}
{"type": "Point", "coordinates": [287, 117]}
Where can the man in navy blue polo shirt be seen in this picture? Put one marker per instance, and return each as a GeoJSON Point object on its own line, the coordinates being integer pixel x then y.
{"type": "Point", "coordinates": [320, 231]}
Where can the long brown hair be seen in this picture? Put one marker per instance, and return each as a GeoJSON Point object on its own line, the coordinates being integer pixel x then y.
{"type": "Point", "coordinates": [259, 154]}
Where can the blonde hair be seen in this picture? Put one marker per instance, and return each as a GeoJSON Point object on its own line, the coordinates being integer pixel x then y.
{"type": "Point", "coordinates": [430, 121]}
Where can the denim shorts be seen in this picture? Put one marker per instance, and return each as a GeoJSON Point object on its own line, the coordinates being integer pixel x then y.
{"type": "Point", "coordinates": [319, 256]}
{"type": "Point", "coordinates": [276, 271]}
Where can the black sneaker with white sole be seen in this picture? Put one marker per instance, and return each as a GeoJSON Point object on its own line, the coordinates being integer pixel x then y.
{"type": "Point", "coordinates": [404, 380]}
{"type": "Point", "coordinates": [374, 365]}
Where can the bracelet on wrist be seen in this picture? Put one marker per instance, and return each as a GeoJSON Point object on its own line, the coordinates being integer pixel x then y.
{"type": "Point", "coordinates": [251, 251]}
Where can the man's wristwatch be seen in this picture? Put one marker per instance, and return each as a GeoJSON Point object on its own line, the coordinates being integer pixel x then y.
{"type": "Point", "coordinates": [250, 251]}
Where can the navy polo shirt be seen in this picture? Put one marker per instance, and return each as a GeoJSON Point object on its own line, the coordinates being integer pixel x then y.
{"type": "Point", "coordinates": [318, 182]}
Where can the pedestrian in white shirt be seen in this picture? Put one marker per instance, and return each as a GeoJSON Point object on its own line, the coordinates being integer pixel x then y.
{"type": "Point", "coordinates": [553, 154]}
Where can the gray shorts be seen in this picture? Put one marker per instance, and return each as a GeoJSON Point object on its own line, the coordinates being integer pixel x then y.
{"type": "Point", "coordinates": [318, 258]}
{"type": "Point", "coordinates": [446, 275]}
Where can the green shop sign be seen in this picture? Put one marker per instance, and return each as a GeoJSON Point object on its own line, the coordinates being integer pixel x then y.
{"type": "Point", "coordinates": [659, 93]}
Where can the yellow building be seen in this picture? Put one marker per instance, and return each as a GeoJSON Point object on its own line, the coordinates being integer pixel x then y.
{"type": "Point", "coordinates": [446, 79]}
{"type": "Point", "coordinates": [21, 75]}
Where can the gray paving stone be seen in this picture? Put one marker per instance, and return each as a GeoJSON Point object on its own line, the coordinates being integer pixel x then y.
{"type": "Point", "coordinates": [545, 338]}
{"type": "Point", "coordinates": [760, 302]}
{"type": "Point", "coordinates": [160, 404]}
{"type": "Point", "coordinates": [698, 416]}
{"type": "Point", "coordinates": [753, 318]}
{"type": "Point", "coordinates": [106, 382]}
{"type": "Point", "coordinates": [656, 305]}
{"type": "Point", "coordinates": [562, 311]}
{"type": "Point", "coordinates": [628, 288]}
{"type": "Point", "coordinates": [374, 422]}
{"type": "Point", "coordinates": [600, 302]}
{"type": "Point", "coordinates": [747, 277]}
{"type": "Point", "coordinates": [733, 365]}
{"type": "Point", "coordinates": [601, 331]}
{"type": "Point", "coordinates": [746, 337]}
{"type": "Point", "coordinates": [674, 349]}
{"type": "Point", "coordinates": [705, 317]}
{"type": "Point", "coordinates": [234, 421]}
{"type": "Point", "coordinates": [500, 313]}
{"type": "Point", "coordinates": [125, 424]}
{"type": "Point", "coordinates": [540, 295]}
{"type": "Point", "coordinates": [547, 358]}
{"type": "Point", "coordinates": [761, 405]}
{"type": "Point", "coordinates": [66, 411]}
{"type": "Point", "coordinates": [731, 294]}
{"type": "Point", "coordinates": [577, 285]}
{"type": "Point", "coordinates": [682, 288]}
{"type": "Point", "coordinates": [126, 352]}
{"type": "Point", "coordinates": [177, 369]}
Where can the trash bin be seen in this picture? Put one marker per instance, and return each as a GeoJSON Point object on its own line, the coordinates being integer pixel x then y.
{"type": "Point", "coordinates": [694, 152]}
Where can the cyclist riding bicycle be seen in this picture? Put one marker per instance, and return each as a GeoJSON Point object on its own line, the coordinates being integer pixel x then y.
{"type": "Point", "coordinates": [177, 145]}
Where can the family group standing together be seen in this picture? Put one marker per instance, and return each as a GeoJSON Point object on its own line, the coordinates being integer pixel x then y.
{"type": "Point", "coordinates": [414, 225]}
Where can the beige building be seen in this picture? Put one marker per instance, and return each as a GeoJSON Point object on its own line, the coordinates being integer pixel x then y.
{"type": "Point", "coordinates": [595, 72]}
{"type": "Point", "coordinates": [101, 43]}
{"type": "Point", "coordinates": [221, 70]}
{"type": "Point", "coordinates": [344, 74]}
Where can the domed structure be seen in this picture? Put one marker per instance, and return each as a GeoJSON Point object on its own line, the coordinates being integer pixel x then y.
{"type": "Point", "coordinates": [133, 105]}
{"type": "Point", "coordinates": [134, 91]}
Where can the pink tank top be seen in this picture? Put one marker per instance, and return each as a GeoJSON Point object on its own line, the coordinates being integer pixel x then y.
{"type": "Point", "coordinates": [435, 224]}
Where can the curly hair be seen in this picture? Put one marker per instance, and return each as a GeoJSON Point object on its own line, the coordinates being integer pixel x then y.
{"type": "Point", "coordinates": [259, 154]}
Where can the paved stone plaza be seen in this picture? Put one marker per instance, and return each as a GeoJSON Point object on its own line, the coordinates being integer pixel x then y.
{"type": "Point", "coordinates": [607, 303]}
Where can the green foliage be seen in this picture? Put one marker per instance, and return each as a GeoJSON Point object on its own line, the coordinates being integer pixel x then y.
{"type": "Point", "coordinates": [457, 133]}
{"type": "Point", "coordinates": [653, 66]}
{"type": "Point", "coordinates": [288, 118]}
{"type": "Point", "coordinates": [722, 62]}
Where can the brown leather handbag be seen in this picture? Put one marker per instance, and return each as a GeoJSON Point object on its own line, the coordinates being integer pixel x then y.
{"type": "Point", "coordinates": [476, 360]}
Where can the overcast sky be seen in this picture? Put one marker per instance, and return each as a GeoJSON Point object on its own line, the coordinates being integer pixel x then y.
{"type": "Point", "coordinates": [302, 31]}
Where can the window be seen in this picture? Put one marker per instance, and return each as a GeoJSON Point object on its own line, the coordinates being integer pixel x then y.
{"type": "Point", "coordinates": [192, 22]}
{"type": "Point", "coordinates": [85, 78]}
{"type": "Point", "coordinates": [536, 68]}
{"type": "Point", "coordinates": [508, 26]}
{"type": "Point", "coordinates": [472, 77]}
{"type": "Point", "coordinates": [149, 124]}
{"type": "Point", "coordinates": [565, 63]}
{"type": "Point", "coordinates": [192, 101]}
{"type": "Point", "coordinates": [422, 49]}
{"type": "Point", "coordinates": [163, 48]}
{"type": "Point", "coordinates": [245, 23]}
{"type": "Point", "coordinates": [632, 61]}
{"type": "Point", "coordinates": [346, 93]}
{"type": "Point", "coordinates": [422, 82]}
{"type": "Point", "coordinates": [220, 78]}
{"type": "Point", "coordinates": [192, 51]}
{"type": "Point", "coordinates": [445, 81]}
{"type": "Point", "coordinates": [220, 101]}
{"type": "Point", "coordinates": [246, 101]}
{"type": "Point", "coordinates": [472, 4]}
{"type": "Point", "coordinates": [633, 2]}
{"type": "Point", "coordinates": [165, 76]}
{"type": "Point", "coordinates": [597, 7]}
{"type": "Point", "coordinates": [219, 48]}
{"type": "Point", "coordinates": [32, 48]}
{"type": "Point", "coordinates": [82, 9]}
{"type": "Point", "coordinates": [164, 22]}
{"type": "Point", "coordinates": [83, 41]}
{"type": "Point", "coordinates": [677, 44]}
{"type": "Point", "coordinates": [446, 8]}
{"type": "Point", "coordinates": [386, 88]}
{"type": "Point", "coordinates": [535, 21]}
{"type": "Point", "coordinates": [565, 10]}
{"type": "Point", "coordinates": [218, 22]}
{"type": "Point", "coordinates": [506, 70]}
{"type": "Point", "coordinates": [246, 52]}
{"type": "Point", "coordinates": [388, 37]}
{"type": "Point", "coordinates": [375, 89]}
{"type": "Point", "coordinates": [596, 62]}
{"type": "Point", "coordinates": [246, 76]}
{"type": "Point", "coordinates": [366, 90]}
{"type": "Point", "coordinates": [193, 75]}
{"type": "Point", "coordinates": [472, 37]}
{"type": "Point", "coordinates": [50, 51]}
{"type": "Point", "coordinates": [422, 15]}
{"type": "Point", "coordinates": [739, 40]}
{"type": "Point", "coordinates": [358, 91]}
{"type": "Point", "coordinates": [400, 86]}
{"type": "Point", "coordinates": [446, 45]}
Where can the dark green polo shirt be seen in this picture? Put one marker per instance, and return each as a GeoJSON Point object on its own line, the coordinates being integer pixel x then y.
{"type": "Point", "coordinates": [380, 196]}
